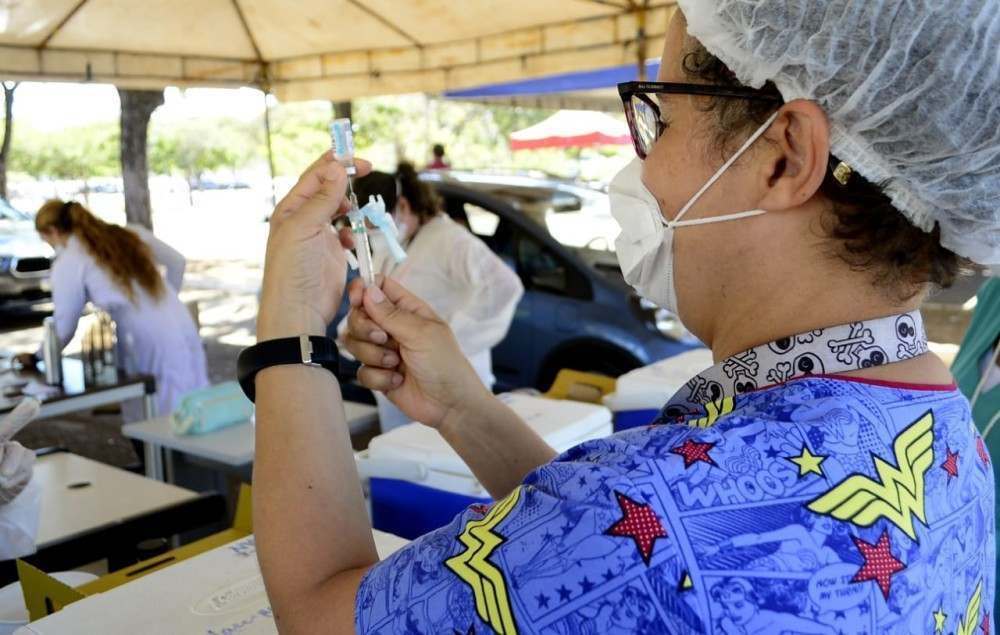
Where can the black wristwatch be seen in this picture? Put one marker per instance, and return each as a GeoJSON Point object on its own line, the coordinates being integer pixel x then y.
{"type": "Point", "coordinates": [311, 350]}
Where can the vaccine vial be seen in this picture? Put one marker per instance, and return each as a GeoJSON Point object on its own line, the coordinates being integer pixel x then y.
{"type": "Point", "coordinates": [342, 140]}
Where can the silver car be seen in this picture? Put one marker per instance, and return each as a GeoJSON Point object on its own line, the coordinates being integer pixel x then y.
{"type": "Point", "coordinates": [25, 259]}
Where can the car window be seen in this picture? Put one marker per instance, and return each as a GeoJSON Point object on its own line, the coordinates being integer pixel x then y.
{"type": "Point", "coordinates": [542, 269]}
{"type": "Point", "coordinates": [482, 222]}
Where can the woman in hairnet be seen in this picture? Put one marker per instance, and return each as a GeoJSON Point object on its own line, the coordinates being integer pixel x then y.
{"type": "Point", "coordinates": [807, 170]}
{"type": "Point", "coordinates": [448, 267]}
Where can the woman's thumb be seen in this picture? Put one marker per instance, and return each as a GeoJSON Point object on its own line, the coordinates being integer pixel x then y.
{"type": "Point", "coordinates": [401, 324]}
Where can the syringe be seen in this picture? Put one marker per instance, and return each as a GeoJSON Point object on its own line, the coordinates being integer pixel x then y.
{"type": "Point", "coordinates": [342, 138]}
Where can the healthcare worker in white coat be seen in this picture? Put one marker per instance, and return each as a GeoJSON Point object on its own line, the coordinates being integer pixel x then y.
{"type": "Point", "coordinates": [20, 496]}
{"type": "Point", "coordinates": [116, 269]}
{"type": "Point", "coordinates": [453, 270]}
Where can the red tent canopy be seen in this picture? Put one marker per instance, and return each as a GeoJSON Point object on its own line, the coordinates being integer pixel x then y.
{"type": "Point", "coordinates": [572, 129]}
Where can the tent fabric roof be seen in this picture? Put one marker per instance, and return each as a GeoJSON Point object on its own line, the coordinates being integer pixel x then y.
{"type": "Point", "coordinates": [572, 129]}
{"type": "Point", "coordinates": [603, 78]}
{"type": "Point", "coordinates": [322, 49]}
{"type": "Point", "coordinates": [581, 90]}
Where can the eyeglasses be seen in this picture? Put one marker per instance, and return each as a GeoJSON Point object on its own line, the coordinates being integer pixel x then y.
{"type": "Point", "coordinates": [645, 121]}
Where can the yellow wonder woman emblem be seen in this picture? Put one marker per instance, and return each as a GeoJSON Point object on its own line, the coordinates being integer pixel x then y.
{"type": "Point", "coordinates": [898, 494]}
{"type": "Point", "coordinates": [485, 579]}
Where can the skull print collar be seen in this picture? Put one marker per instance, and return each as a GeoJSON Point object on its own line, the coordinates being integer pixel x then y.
{"type": "Point", "coordinates": [831, 350]}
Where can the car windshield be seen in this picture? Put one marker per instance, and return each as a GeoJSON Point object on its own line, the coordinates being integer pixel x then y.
{"type": "Point", "coordinates": [575, 215]}
{"type": "Point", "coordinates": [9, 213]}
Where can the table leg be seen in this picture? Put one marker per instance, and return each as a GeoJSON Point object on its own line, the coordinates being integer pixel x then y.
{"type": "Point", "coordinates": [168, 464]}
{"type": "Point", "coordinates": [154, 461]}
{"type": "Point", "coordinates": [148, 407]}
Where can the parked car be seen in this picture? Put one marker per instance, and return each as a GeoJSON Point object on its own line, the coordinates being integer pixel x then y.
{"type": "Point", "coordinates": [574, 313]}
{"type": "Point", "coordinates": [25, 259]}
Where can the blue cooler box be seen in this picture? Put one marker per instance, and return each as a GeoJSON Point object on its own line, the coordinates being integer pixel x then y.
{"type": "Point", "coordinates": [418, 483]}
{"type": "Point", "coordinates": [641, 393]}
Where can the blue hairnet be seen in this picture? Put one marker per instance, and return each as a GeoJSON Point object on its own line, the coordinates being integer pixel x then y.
{"type": "Point", "coordinates": [911, 88]}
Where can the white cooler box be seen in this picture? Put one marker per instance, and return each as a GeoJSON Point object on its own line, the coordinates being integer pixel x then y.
{"type": "Point", "coordinates": [641, 393]}
{"type": "Point", "coordinates": [418, 483]}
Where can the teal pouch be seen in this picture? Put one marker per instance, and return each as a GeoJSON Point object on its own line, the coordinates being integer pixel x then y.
{"type": "Point", "coordinates": [210, 409]}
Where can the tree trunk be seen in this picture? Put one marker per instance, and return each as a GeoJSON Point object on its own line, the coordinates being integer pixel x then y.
{"type": "Point", "coordinates": [341, 109]}
{"type": "Point", "coordinates": [8, 131]}
{"type": "Point", "coordinates": [137, 106]}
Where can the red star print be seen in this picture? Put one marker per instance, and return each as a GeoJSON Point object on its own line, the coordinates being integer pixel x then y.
{"type": "Point", "coordinates": [984, 456]}
{"type": "Point", "coordinates": [880, 565]}
{"type": "Point", "coordinates": [694, 451]}
{"type": "Point", "coordinates": [950, 465]}
{"type": "Point", "coordinates": [986, 624]}
{"type": "Point", "coordinates": [640, 523]}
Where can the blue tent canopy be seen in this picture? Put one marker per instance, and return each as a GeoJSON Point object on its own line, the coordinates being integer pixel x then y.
{"type": "Point", "coordinates": [603, 78]}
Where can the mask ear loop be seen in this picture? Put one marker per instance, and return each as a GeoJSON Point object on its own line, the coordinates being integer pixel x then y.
{"type": "Point", "coordinates": [715, 177]}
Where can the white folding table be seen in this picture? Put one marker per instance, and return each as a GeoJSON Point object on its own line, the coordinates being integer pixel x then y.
{"type": "Point", "coordinates": [232, 446]}
{"type": "Point", "coordinates": [219, 591]}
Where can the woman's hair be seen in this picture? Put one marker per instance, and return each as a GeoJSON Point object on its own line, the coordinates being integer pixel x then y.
{"type": "Point", "coordinates": [421, 197]}
{"type": "Point", "coordinates": [390, 187]}
{"type": "Point", "coordinates": [118, 251]}
{"type": "Point", "coordinates": [873, 235]}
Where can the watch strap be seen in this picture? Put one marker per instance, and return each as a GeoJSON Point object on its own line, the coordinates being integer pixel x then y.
{"type": "Point", "coordinates": [311, 350]}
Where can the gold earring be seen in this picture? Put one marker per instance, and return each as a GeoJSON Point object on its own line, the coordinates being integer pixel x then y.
{"type": "Point", "coordinates": [842, 173]}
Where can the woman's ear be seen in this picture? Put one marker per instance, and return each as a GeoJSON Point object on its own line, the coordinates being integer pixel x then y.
{"type": "Point", "coordinates": [798, 158]}
{"type": "Point", "coordinates": [403, 204]}
{"type": "Point", "coordinates": [403, 208]}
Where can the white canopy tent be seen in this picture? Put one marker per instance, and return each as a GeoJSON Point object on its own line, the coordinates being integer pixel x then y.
{"type": "Point", "coordinates": [322, 49]}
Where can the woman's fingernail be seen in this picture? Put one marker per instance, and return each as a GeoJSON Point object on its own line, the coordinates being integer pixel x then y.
{"type": "Point", "coordinates": [376, 294]}
{"type": "Point", "coordinates": [389, 359]}
{"type": "Point", "coordinates": [379, 337]}
{"type": "Point", "coordinates": [397, 379]}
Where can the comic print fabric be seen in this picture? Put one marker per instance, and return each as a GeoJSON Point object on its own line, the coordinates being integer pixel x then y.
{"type": "Point", "coordinates": [819, 505]}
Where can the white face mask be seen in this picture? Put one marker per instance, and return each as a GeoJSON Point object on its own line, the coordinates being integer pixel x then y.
{"type": "Point", "coordinates": [646, 243]}
{"type": "Point", "coordinates": [403, 230]}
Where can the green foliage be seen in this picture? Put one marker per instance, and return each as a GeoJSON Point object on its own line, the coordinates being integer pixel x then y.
{"type": "Point", "coordinates": [299, 134]}
{"type": "Point", "coordinates": [76, 153]}
{"type": "Point", "coordinates": [196, 146]}
{"type": "Point", "coordinates": [387, 130]}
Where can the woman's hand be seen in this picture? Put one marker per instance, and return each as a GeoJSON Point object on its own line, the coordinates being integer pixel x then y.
{"type": "Point", "coordinates": [305, 267]}
{"type": "Point", "coordinates": [27, 361]}
{"type": "Point", "coordinates": [411, 355]}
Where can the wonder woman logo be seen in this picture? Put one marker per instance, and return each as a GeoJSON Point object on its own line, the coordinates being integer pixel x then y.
{"type": "Point", "coordinates": [898, 495]}
{"type": "Point", "coordinates": [474, 568]}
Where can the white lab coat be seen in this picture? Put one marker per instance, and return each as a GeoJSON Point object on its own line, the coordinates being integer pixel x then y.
{"type": "Point", "coordinates": [171, 261]}
{"type": "Point", "coordinates": [465, 283]}
{"type": "Point", "coordinates": [157, 338]}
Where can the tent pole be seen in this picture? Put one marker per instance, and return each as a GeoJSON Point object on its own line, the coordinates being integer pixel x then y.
{"type": "Point", "coordinates": [640, 35]}
{"type": "Point", "coordinates": [270, 150]}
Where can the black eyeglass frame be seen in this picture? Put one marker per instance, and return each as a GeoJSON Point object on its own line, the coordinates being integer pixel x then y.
{"type": "Point", "coordinates": [642, 90]}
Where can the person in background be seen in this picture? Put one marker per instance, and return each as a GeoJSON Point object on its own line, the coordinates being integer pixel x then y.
{"type": "Point", "coordinates": [438, 162]}
{"type": "Point", "coordinates": [977, 366]}
{"type": "Point", "coordinates": [977, 370]}
{"type": "Point", "coordinates": [453, 270]}
{"type": "Point", "coordinates": [20, 497]}
{"type": "Point", "coordinates": [171, 262]}
{"type": "Point", "coordinates": [114, 268]}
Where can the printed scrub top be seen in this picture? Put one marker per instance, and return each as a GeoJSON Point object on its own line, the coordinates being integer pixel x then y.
{"type": "Point", "coordinates": [818, 506]}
